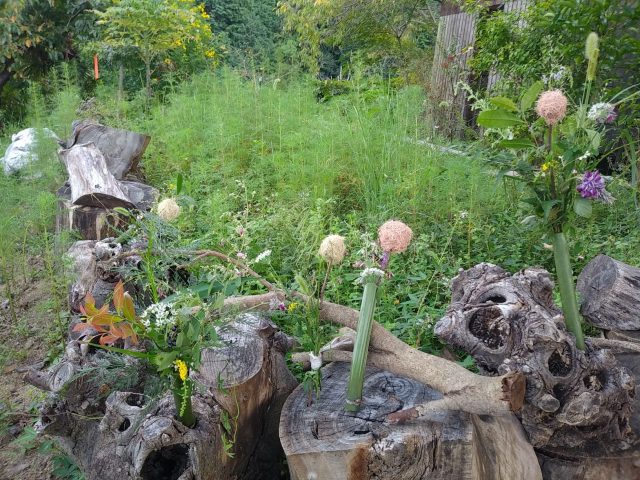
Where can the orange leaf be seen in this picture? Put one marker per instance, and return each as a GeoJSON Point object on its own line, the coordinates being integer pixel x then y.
{"type": "Point", "coordinates": [118, 297]}
{"type": "Point", "coordinates": [81, 327]}
{"type": "Point", "coordinates": [127, 332]}
{"type": "Point", "coordinates": [128, 308]}
{"type": "Point", "coordinates": [107, 339]}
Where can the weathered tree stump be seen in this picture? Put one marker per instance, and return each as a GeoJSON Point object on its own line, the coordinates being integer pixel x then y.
{"type": "Point", "coordinates": [122, 149]}
{"type": "Point", "coordinates": [322, 441]}
{"type": "Point", "coordinates": [91, 182]}
{"type": "Point", "coordinates": [131, 436]}
{"type": "Point", "coordinates": [578, 405]}
{"type": "Point", "coordinates": [610, 293]}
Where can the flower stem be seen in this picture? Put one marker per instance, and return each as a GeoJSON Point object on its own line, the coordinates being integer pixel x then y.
{"type": "Point", "coordinates": [361, 347]}
{"type": "Point", "coordinates": [567, 288]}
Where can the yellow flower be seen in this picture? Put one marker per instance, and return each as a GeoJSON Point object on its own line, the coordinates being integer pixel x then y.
{"type": "Point", "coordinates": [545, 166]}
{"type": "Point", "coordinates": [183, 369]}
{"type": "Point", "coordinates": [292, 307]}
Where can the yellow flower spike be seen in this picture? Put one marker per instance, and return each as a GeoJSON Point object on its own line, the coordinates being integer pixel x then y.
{"type": "Point", "coordinates": [292, 307]}
{"type": "Point", "coordinates": [183, 369]}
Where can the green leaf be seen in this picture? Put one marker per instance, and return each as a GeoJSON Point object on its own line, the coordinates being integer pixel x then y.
{"type": "Point", "coordinates": [547, 207]}
{"type": "Point", "coordinates": [179, 181]}
{"type": "Point", "coordinates": [180, 340]}
{"type": "Point", "coordinates": [594, 140]}
{"type": "Point", "coordinates": [504, 103]}
{"type": "Point", "coordinates": [517, 143]}
{"type": "Point", "coordinates": [498, 119]}
{"type": "Point", "coordinates": [583, 207]}
{"type": "Point", "coordinates": [530, 96]}
{"type": "Point", "coordinates": [163, 360]}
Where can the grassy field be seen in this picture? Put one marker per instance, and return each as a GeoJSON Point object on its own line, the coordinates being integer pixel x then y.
{"type": "Point", "coordinates": [271, 161]}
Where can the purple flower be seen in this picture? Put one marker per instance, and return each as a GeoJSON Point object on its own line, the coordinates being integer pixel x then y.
{"type": "Point", "coordinates": [602, 113]}
{"type": "Point", "coordinates": [592, 186]}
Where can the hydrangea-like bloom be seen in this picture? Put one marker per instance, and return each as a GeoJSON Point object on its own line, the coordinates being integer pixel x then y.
{"type": "Point", "coordinates": [592, 186]}
{"type": "Point", "coordinates": [602, 113]}
{"type": "Point", "coordinates": [168, 209]}
{"type": "Point", "coordinates": [552, 106]}
{"type": "Point", "coordinates": [333, 249]}
{"type": "Point", "coordinates": [394, 236]}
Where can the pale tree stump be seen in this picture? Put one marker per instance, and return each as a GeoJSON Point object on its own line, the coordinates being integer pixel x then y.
{"type": "Point", "coordinates": [322, 441]}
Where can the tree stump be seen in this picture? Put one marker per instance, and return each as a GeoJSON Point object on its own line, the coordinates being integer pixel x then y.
{"type": "Point", "coordinates": [579, 405]}
{"type": "Point", "coordinates": [322, 441]}
{"type": "Point", "coordinates": [91, 182]}
{"type": "Point", "coordinates": [610, 292]}
{"type": "Point", "coordinates": [132, 436]}
{"type": "Point", "coordinates": [122, 149]}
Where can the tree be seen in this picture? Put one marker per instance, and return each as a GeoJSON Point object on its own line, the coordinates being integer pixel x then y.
{"type": "Point", "coordinates": [248, 27]}
{"type": "Point", "coordinates": [36, 34]}
{"type": "Point", "coordinates": [378, 28]}
{"type": "Point", "coordinates": [150, 28]}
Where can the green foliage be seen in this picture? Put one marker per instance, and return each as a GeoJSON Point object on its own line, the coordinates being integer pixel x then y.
{"type": "Point", "coordinates": [396, 35]}
{"type": "Point", "coordinates": [527, 46]}
{"type": "Point", "coordinates": [151, 28]}
{"type": "Point", "coordinates": [249, 29]}
{"type": "Point", "coordinates": [34, 36]}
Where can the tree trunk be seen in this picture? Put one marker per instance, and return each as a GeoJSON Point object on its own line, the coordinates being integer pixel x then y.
{"type": "Point", "coordinates": [120, 82]}
{"type": "Point", "coordinates": [92, 184]}
{"type": "Point", "coordinates": [91, 223]}
{"type": "Point", "coordinates": [579, 405]}
{"type": "Point", "coordinates": [147, 71]}
{"type": "Point", "coordinates": [610, 294]}
{"type": "Point", "coordinates": [323, 441]}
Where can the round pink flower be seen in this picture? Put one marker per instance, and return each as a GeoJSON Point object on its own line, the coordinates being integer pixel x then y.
{"type": "Point", "coordinates": [552, 106]}
{"type": "Point", "coordinates": [394, 236]}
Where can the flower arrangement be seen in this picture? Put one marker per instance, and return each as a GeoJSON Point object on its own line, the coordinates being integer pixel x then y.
{"type": "Point", "coordinates": [393, 237]}
{"type": "Point", "coordinates": [170, 335]}
{"type": "Point", "coordinates": [556, 156]}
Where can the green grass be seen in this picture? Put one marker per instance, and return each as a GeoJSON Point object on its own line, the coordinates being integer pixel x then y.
{"type": "Point", "coordinates": [289, 170]}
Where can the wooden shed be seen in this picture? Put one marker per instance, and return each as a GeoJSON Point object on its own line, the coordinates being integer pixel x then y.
{"type": "Point", "coordinates": [449, 110]}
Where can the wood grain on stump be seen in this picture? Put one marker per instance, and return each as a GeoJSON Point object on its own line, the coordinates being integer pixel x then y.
{"type": "Point", "coordinates": [322, 441]}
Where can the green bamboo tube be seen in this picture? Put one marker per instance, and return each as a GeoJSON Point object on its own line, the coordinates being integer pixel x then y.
{"type": "Point", "coordinates": [361, 347]}
{"type": "Point", "coordinates": [182, 400]}
{"type": "Point", "coordinates": [567, 288]}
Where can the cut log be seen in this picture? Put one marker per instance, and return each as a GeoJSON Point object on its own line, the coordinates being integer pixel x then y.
{"type": "Point", "coordinates": [122, 149]}
{"type": "Point", "coordinates": [577, 403]}
{"type": "Point", "coordinates": [132, 436]}
{"type": "Point", "coordinates": [322, 441]}
{"type": "Point", "coordinates": [90, 223]}
{"type": "Point", "coordinates": [92, 184]}
{"type": "Point", "coordinates": [610, 293]}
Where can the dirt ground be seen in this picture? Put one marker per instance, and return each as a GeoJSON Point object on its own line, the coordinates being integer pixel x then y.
{"type": "Point", "coordinates": [24, 343]}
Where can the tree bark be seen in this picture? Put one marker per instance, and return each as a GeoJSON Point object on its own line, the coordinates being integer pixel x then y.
{"type": "Point", "coordinates": [323, 441]}
{"type": "Point", "coordinates": [92, 184]}
{"type": "Point", "coordinates": [610, 293]}
{"type": "Point", "coordinates": [122, 149]}
{"type": "Point", "coordinates": [577, 404]}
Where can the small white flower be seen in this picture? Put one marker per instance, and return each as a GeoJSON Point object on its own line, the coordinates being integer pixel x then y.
{"type": "Point", "coordinates": [316, 361]}
{"type": "Point", "coordinates": [241, 255]}
{"type": "Point", "coordinates": [463, 214]}
{"type": "Point", "coordinates": [263, 256]}
{"type": "Point", "coordinates": [158, 315]}
{"type": "Point", "coordinates": [367, 274]}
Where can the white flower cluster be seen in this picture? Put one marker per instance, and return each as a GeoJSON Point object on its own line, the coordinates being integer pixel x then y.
{"type": "Point", "coordinates": [602, 112]}
{"type": "Point", "coordinates": [263, 256]}
{"type": "Point", "coordinates": [158, 315]}
{"type": "Point", "coordinates": [367, 273]}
